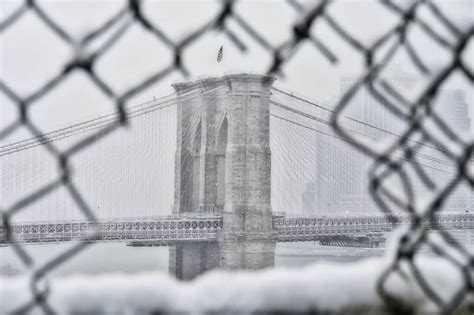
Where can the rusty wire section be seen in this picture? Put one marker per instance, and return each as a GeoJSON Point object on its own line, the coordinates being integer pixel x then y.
{"type": "Point", "coordinates": [377, 57]}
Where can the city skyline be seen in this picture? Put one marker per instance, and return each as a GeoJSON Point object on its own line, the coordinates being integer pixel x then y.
{"type": "Point", "coordinates": [333, 191]}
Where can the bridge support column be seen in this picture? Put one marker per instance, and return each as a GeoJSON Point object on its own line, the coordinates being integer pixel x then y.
{"type": "Point", "coordinates": [223, 166]}
{"type": "Point", "coordinates": [189, 259]}
{"type": "Point", "coordinates": [248, 240]}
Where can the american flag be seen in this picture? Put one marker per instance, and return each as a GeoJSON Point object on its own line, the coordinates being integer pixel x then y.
{"type": "Point", "coordinates": [220, 54]}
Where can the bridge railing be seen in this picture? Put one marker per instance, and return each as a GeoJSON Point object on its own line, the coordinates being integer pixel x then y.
{"type": "Point", "coordinates": [173, 228]}
{"type": "Point", "coordinates": [164, 229]}
{"type": "Point", "coordinates": [316, 228]}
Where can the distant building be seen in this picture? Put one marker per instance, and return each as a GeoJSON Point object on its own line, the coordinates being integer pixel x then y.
{"type": "Point", "coordinates": [341, 183]}
{"type": "Point", "coordinates": [452, 107]}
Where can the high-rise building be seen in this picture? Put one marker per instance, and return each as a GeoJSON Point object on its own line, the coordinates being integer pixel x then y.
{"type": "Point", "coordinates": [341, 184]}
{"type": "Point", "coordinates": [451, 106]}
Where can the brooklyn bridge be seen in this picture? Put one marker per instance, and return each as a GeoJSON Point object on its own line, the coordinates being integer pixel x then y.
{"type": "Point", "coordinates": [222, 212]}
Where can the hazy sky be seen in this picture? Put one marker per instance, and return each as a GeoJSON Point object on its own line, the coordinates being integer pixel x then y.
{"type": "Point", "coordinates": [30, 54]}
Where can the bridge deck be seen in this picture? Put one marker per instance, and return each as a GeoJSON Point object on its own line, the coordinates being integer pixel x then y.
{"type": "Point", "coordinates": [171, 229]}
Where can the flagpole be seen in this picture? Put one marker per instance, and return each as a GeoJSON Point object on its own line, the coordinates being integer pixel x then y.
{"type": "Point", "coordinates": [220, 59]}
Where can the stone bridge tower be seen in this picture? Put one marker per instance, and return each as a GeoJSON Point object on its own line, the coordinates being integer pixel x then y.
{"type": "Point", "coordinates": [223, 166]}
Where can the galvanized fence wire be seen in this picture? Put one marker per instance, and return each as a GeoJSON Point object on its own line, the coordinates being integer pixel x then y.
{"type": "Point", "coordinates": [385, 164]}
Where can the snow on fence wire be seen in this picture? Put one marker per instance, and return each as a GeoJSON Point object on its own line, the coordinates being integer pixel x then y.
{"type": "Point", "coordinates": [273, 289]}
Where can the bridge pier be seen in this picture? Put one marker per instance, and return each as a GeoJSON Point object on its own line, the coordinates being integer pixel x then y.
{"type": "Point", "coordinates": [188, 259]}
{"type": "Point", "coordinates": [223, 166]}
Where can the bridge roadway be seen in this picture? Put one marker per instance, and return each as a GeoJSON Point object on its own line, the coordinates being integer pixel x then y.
{"type": "Point", "coordinates": [167, 230]}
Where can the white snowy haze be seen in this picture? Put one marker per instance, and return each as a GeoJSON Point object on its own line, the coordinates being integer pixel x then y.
{"type": "Point", "coordinates": [130, 172]}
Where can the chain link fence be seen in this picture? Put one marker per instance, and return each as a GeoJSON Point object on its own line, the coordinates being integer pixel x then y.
{"type": "Point", "coordinates": [425, 124]}
{"type": "Point", "coordinates": [422, 122]}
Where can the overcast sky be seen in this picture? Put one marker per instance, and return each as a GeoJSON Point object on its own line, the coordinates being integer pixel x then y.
{"type": "Point", "coordinates": [30, 53]}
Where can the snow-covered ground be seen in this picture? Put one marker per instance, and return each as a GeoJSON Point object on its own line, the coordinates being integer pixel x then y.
{"type": "Point", "coordinates": [320, 286]}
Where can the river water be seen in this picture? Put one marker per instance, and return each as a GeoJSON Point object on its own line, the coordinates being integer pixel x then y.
{"type": "Point", "coordinates": [117, 257]}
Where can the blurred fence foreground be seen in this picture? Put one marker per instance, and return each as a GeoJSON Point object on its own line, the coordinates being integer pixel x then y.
{"type": "Point", "coordinates": [404, 281]}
